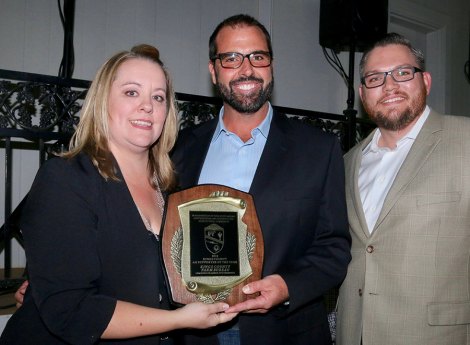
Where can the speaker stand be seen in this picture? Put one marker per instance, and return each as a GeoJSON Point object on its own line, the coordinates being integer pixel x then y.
{"type": "Point", "coordinates": [350, 112]}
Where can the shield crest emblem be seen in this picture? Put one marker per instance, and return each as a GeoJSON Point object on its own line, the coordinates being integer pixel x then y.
{"type": "Point", "coordinates": [214, 238]}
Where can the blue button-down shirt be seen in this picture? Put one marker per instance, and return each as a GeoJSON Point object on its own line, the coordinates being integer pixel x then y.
{"type": "Point", "coordinates": [232, 162]}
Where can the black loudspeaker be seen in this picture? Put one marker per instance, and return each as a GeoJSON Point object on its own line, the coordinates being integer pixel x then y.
{"type": "Point", "coordinates": [347, 22]}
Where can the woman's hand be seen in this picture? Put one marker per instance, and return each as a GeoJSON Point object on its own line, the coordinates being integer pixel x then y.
{"type": "Point", "coordinates": [131, 320]}
{"type": "Point", "coordinates": [200, 315]}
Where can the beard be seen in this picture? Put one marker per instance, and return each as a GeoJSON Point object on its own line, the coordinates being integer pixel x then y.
{"type": "Point", "coordinates": [249, 103]}
{"type": "Point", "coordinates": [394, 119]}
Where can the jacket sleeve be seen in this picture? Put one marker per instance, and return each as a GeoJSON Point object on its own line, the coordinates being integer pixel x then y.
{"type": "Point", "coordinates": [59, 224]}
{"type": "Point", "coordinates": [323, 263]}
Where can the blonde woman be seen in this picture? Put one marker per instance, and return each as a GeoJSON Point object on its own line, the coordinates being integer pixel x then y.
{"type": "Point", "coordinates": [92, 220]}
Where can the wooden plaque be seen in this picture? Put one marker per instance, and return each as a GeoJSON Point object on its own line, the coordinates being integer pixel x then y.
{"type": "Point", "coordinates": [212, 244]}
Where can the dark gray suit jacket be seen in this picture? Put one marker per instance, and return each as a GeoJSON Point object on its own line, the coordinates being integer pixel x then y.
{"type": "Point", "coordinates": [298, 189]}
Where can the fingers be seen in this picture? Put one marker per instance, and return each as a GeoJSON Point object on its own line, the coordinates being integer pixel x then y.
{"type": "Point", "coordinates": [225, 317]}
{"type": "Point", "coordinates": [216, 314]}
{"type": "Point", "coordinates": [251, 305]}
{"type": "Point", "coordinates": [200, 315]}
{"type": "Point", "coordinates": [257, 303]}
{"type": "Point", "coordinates": [254, 287]}
{"type": "Point", "coordinates": [19, 294]}
{"type": "Point", "coordinates": [273, 291]}
{"type": "Point", "coordinates": [218, 307]}
{"type": "Point", "coordinates": [23, 286]}
{"type": "Point", "coordinates": [221, 314]}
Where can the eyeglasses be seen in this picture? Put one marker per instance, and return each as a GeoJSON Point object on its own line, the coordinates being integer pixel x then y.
{"type": "Point", "coordinates": [235, 60]}
{"type": "Point", "coordinates": [399, 74]}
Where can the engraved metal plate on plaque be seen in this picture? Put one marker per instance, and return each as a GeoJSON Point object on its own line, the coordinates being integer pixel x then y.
{"type": "Point", "coordinates": [211, 244]}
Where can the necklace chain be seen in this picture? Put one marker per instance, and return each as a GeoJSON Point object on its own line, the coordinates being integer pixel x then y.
{"type": "Point", "coordinates": [160, 204]}
{"type": "Point", "coordinates": [160, 200]}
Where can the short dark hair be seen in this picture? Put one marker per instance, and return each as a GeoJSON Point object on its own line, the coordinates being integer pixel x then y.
{"type": "Point", "coordinates": [389, 39]}
{"type": "Point", "coordinates": [234, 21]}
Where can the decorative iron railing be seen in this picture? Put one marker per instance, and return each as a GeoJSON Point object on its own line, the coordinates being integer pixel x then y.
{"type": "Point", "coordinates": [41, 112]}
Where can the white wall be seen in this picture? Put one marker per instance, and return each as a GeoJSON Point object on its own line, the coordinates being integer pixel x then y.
{"type": "Point", "coordinates": [31, 40]}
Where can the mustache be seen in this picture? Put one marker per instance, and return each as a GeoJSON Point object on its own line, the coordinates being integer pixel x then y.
{"type": "Point", "coordinates": [245, 79]}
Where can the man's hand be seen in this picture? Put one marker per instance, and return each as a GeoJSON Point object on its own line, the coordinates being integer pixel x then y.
{"type": "Point", "coordinates": [19, 294]}
{"type": "Point", "coordinates": [273, 291]}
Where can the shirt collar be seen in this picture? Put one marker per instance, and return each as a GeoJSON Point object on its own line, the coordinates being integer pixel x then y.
{"type": "Point", "coordinates": [411, 135]}
{"type": "Point", "coordinates": [262, 128]}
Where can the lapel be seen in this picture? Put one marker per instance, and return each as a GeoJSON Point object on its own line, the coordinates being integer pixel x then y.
{"type": "Point", "coordinates": [120, 200]}
{"type": "Point", "coordinates": [425, 143]}
{"type": "Point", "coordinates": [273, 156]}
{"type": "Point", "coordinates": [195, 153]}
{"type": "Point", "coordinates": [352, 175]}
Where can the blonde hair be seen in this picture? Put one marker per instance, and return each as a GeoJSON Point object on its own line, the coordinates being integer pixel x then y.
{"type": "Point", "coordinates": [91, 136]}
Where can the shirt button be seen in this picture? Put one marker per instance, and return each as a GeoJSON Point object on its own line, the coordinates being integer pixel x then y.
{"type": "Point", "coordinates": [370, 249]}
{"type": "Point", "coordinates": [160, 298]}
{"type": "Point", "coordinates": [360, 292]}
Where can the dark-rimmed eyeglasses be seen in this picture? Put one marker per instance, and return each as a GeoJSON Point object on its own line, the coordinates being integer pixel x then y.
{"type": "Point", "coordinates": [399, 74]}
{"type": "Point", "coordinates": [235, 60]}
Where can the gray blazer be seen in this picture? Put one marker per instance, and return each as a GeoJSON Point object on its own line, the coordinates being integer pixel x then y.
{"type": "Point", "coordinates": [409, 282]}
